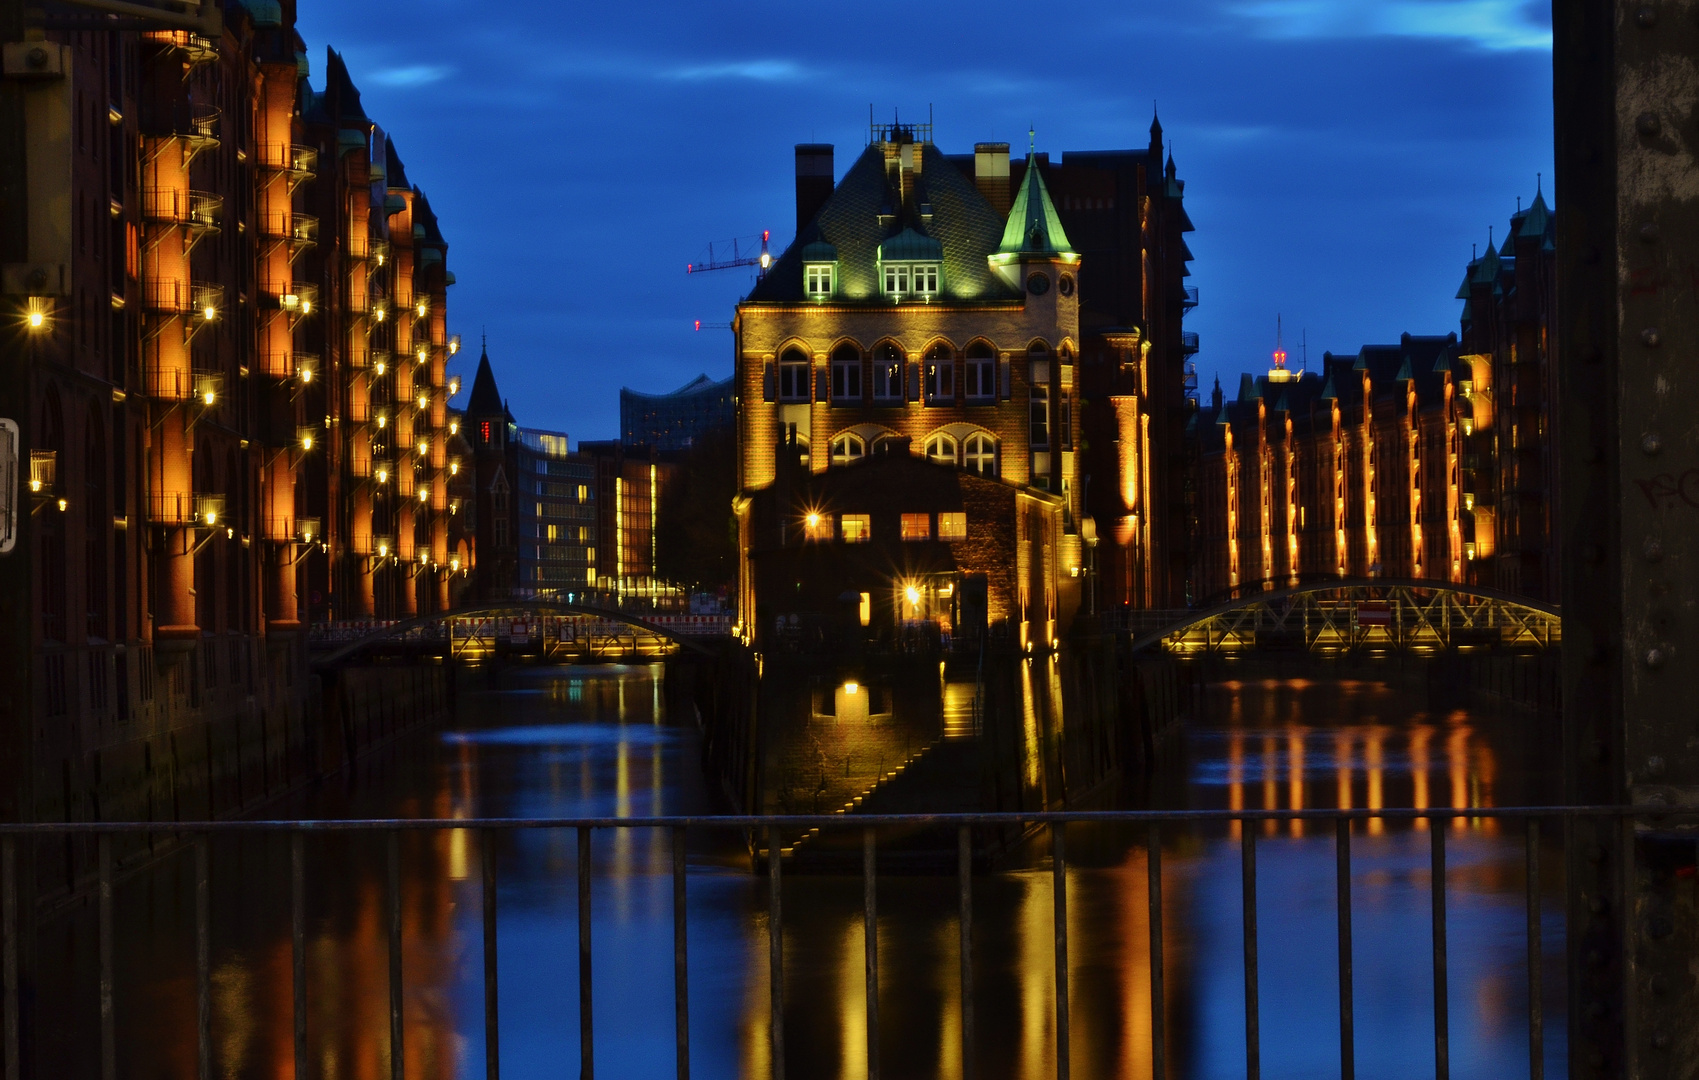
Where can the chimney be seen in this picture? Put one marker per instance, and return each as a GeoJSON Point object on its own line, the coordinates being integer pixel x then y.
{"type": "Point", "coordinates": [813, 180]}
{"type": "Point", "coordinates": [991, 174]}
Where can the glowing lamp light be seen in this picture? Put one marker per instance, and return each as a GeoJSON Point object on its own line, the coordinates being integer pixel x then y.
{"type": "Point", "coordinates": [913, 595]}
{"type": "Point", "coordinates": [63, 504]}
{"type": "Point", "coordinates": [454, 386]}
{"type": "Point", "coordinates": [454, 427]}
{"type": "Point", "coordinates": [229, 534]}
{"type": "Point", "coordinates": [851, 688]}
{"type": "Point", "coordinates": [306, 375]}
{"type": "Point", "coordinates": [454, 344]}
{"type": "Point", "coordinates": [211, 517]}
{"type": "Point", "coordinates": [209, 397]}
{"type": "Point", "coordinates": [383, 476]}
{"type": "Point", "coordinates": [424, 447]}
{"type": "Point", "coordinates": [380, 367]}
{"type": "Point", "coordinates": [35, 485]}
{"type": "Point", "coordinates": [35, 312]}
{"type": "Point", "coordinates": [766, 260]}
{"type": "Point", "coordinates": [1468, 426]}
{"type": "Point", "coordinates": [424, 495]}
{"type": "Point", "coordinates": [379, 312]}
{"type": "Point", "coordinates": [383, 551]}
{"type": "Point", "coordinates": [306, 441]}
{"type": "Point", "coordinates": [382, 421]}
{"type": "Point", "coordinates": [423, 354]}
{"type": "Point", "coordinates": [424, 402]}
{"type": "Point", "coordinates": [1468, 500]}
{"type": "Point", "coordinates": [209, 313]}
{"type": "Point", "coordinates": [454, 565]}
{"type": "Point", "coordinates": [422, 308]}
{"type": "Point", "coordinates": [813, 520]}
{"type": "Point", "coordinates": [306, 305]}
{"type": "Point", "coordinates": [454, 468]}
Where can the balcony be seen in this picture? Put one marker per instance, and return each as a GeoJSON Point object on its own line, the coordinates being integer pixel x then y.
{"type": "Point", "coordinates": [197, 209]}
{"type": "Point", "coordinates": [1191, 300]}
{"type": "Point", "coordinates": [174, 508]}
{"type": "Point", "coordinates": [44, 473]}
{"type": "Point", "coordinates": [300, 230]}
{"type": "Point", "coordinates": [194, 48]}
{"type": "Point", "coordinates": [297, 298]}
{"type": "Point", "coordinates": [197, 125]}
{"type": "Point", "coordinates": [1189, 343]}
{"type": "Point", "coordinates": [173, 296]}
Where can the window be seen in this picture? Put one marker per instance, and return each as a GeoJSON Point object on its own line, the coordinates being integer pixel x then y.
{"type": "Point", "coordinates": [793, 376]}
{"type": "Point", "coordinates": [817, 279]}
{"type": "Point", "coordinates": [887, 373]}
{"type": "Point", "coordinates": [817, 526]}
{"type": "Point", "coordinates": [1065, 421]}
{"type": "Point", "coordinates": [940, 375]}
{"type": "Point", "coordinates": [846, 375]}
{"type": "Point", "coordinates": [1040, 430]}
{"type": "Point", "coordinates": [856, 528]}
{"type": "Point", "coordinates": [847, 449]}
{"type": "Point", "coordinates": [896, 280]}
{"type": "Point", "coordinates": [941, 449]}
{"type": "Point", "coordinates": [917, 526]}
{"type": "Point", "coordinates": [952, 526]}
{"type": "Point", "coordinates": [980, 456]}
{"type": "Point", "coordinates": [926, 279]}
{"type": "Point", "coordinates": [980, 372]}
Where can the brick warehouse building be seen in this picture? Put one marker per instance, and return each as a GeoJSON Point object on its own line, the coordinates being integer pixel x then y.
{"type": "Point", "coordinates": [1426, 459]}
{"type": "Point", "coordinates": [1020, 321]}
{"type": "Point", "coordinates": [238, 416]}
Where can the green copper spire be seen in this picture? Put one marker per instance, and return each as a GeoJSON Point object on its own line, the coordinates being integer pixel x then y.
{"type": "Point", "coordinates": [1034, 228]}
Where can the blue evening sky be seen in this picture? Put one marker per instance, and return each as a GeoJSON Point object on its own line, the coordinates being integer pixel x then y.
{"type": "Point", "coordinates": [1341, 156]}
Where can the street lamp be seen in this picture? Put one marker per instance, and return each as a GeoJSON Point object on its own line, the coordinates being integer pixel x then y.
{"type": "Point", "coordinates": [36, 310]}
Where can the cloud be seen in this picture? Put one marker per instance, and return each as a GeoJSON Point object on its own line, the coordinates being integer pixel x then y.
{"type": "Point", "coordinates": [757, 70]}
{"type": "Point", "coordinates": [1497, 25]}
{"type": "Point", "coordinates": [417, 75]}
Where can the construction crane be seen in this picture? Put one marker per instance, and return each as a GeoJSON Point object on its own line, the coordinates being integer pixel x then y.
{"type": "Point", "coordinates": [743, 254]}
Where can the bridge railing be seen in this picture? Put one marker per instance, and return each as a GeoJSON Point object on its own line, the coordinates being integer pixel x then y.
{"type": "Point", "coordinates": [766, 834]}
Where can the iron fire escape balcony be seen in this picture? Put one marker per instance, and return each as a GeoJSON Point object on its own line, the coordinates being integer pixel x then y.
{"type": "Point", "coordinates": [1191, 299]}
{"type": "Point", "coordinates": [174, 296]}
{"type": "Point", "coordinates": [301, 231]}
{"type": "Point", "coordinates": [1188, 343]}
{"type": "Point", "coordinates": [295, 297]}
{"type": "Point", "coordinates": [183, 508]}
{"type": "Point", "coordinates": [197, 125]}
{"type": "Point", "coordinates": [199, 210]}
{"type": "Point", "coordinates": [299, 162]}
{"type": "Point", "coordinates": [194, 48]}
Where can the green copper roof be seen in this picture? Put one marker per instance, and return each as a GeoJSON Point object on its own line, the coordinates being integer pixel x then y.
{"type": "Point", "coordinates": [1534, 222]}
{"type": "Point", "coordinates": [819, 251]}
{"type": "Point", "coordinates": [910, 246]}
{"type": "Point", "coordinates": [1033, 227]}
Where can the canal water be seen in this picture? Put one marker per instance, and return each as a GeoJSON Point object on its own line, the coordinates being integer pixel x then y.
{"type": "Point", "coordinates": [596, 741]}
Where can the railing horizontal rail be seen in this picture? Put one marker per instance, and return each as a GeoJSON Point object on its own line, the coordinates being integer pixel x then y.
{"type": "Point", "coordinates": [745, 821]}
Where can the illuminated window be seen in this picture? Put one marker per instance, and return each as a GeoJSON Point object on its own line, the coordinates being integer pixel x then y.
{"type": "Point", "coordinates": [793, 376]}
{"type": "Point", "coordinates": [847, 449]}
{"type": "Point", "coordinates": [926, 278]}
{"type": "Point", "coordinates": [941, 449]}
{"type": "Point", "coordinates": [887, 373]}
{"type": "Point", "coordinates": [855, 528]}
{"type": "Point", "coordinates": [1065, 420]}
{"type": "Point", "coordinates": [896, 280]}
{"type": "Point", "coordinates": [817, 279]}
{"type": "Point", "coordinates": [846, 375]}
{"type": "Point", "coordinates": [917, 526]}
{"type": "Point", "coordinates": [817, 526]}
{"type": "Point", "coordinates": [554, 533]}
{"type": "Point", "coordinates": [940, 375]}
{"type": "Point", "coordinates": [952, 526]}
{"type": "Point", "coordinates": [484, 431]}
{"type": "Point", "coordinates": [980, 455]}
{"type": "Point", "coordinates": [979, 373]}
{"type": "Point", "coordinates": [1040, 429]}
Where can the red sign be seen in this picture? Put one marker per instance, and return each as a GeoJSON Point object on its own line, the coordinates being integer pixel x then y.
{"type": "Point", "coordinates": [1374, 613]}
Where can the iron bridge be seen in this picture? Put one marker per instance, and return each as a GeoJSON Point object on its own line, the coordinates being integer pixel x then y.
{"type": "Point", "coordinates": [552, 631]}
{"type": "Point", "coordinates": [1341, 616]}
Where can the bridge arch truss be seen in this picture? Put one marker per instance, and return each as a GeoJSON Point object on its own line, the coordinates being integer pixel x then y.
{"type": "Point", "coordinates": [1357, 614]}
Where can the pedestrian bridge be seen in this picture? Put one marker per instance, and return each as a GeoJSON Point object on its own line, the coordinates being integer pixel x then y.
{"type": "Point", "coordinates": [1351, 615]}
{"type": "Point", "coordinates": [551, 631]}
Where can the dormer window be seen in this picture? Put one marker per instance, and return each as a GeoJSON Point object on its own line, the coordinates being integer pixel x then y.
{"type": "Point", "coordinates": [817, 280]}
{"type": "Point", "coordinates": [911, 265]}
{"type": "Point", "coordinates": [819, 270]}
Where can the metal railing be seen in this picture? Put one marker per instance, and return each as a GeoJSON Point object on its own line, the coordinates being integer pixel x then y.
{"type": "Point", "coordinates": [771, 831]}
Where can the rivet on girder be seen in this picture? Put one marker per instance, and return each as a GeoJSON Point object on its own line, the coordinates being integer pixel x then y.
{"type": "Point", "coordinates": [1649, 337]}
{"type": "Point", "coordinates": [1650, 442]}
{"type": "Point", "coordinates": [1647, 123]}
{"type": "Point", "coordinates": [1654, 658]}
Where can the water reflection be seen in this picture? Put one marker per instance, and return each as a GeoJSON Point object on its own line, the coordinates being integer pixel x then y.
{"type": "Point", "coordinates": [597, 742]}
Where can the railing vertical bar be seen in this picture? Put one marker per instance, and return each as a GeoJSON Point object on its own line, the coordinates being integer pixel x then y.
{"type": "Point", "coordinates": [1248, 870]}
{"type": "Point", "coordinates": [681, 957]}
{"type": "Point", "coordinates": [397, 1041]}
{"type": "Point", "coordinates": [1158, 1000]}
{"type": "Point", "coordinates": [964, 873]}
{"type": "Point", "coordinates": [1536, 989]}
{"type": "Point", "coordinates": [1347, 1004]}
{"type": "Point", "coordinates": [1442, 1013]}
{"type": "Point", "coordinates": [775, 957]}
{"type": "Point", "coordinates": [870, 935]}
{"type": "Point", "coordinates": [298, 946]}
{"type": "Point", "coordinates": [108, 1032]}
{"type": "Point", "coordinates": [586, 1026]}
{"type": "Point", "coordinates": [1059, 908]}
{"type": "Point", "coordinates": [203, 957]}
{"type": "Point", "coordinates": [492, 1006]}
{"type": "Point", "coordinates": [9, 932]}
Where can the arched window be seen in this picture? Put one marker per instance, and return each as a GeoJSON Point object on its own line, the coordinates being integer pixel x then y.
{"type": "Point", "coordinates": [940, 375]}
{"type": "Point", "coordinates": [887, 445]}
{"type": "Point", "coordinates": [848, 448]}
{"type": "Point", "coordinates": [887, 373]}
{"type": "Point", "coordinates": [980, 454]}
{"type": "Point", "coordinates": [793, 376]}
{"type": "Point", "coordinates": [941, 450]}
{"type": "Point", "coordinates": [846, 375]}
{"type": "Point", "coordinates": [979, 372]}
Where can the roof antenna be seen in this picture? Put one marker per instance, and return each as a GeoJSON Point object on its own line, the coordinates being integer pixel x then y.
{"type": "Point", "coordinates": [1032, 140]}
{"type": "Point", "coordinates": [1537, 180]}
